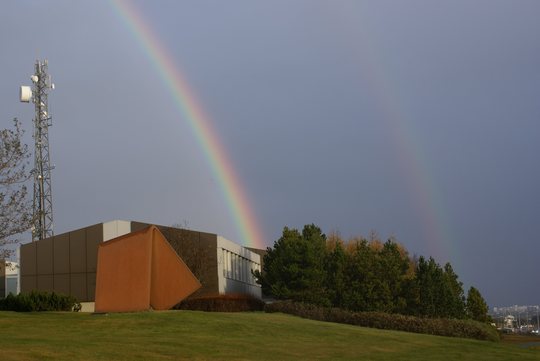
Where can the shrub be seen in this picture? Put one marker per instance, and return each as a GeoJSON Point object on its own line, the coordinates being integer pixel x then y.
{"type": "Point", "coordinates": [222, 303]}
{"type": "Point", "coordinates": [387, 321]}
{"type": "Point", "coordinates": [36, 301]}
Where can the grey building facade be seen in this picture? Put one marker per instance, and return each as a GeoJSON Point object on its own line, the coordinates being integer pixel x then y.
{"type": "Point", "coordinates": [66, 263]}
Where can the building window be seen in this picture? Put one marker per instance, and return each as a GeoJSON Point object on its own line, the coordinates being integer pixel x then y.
{"type": "Point", "coordinates": [229, 264]}
{"type": "Point", "coordinates": [11, 285]}
{"type": "Point", "coordinates": [238, 268]}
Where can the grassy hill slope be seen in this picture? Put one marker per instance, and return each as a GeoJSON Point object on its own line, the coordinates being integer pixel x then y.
{"type": "Point", "coordinates": [188, 335]}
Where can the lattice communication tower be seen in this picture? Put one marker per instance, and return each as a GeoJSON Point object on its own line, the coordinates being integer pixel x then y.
{"type": "Point", "coordinates": [42, 221]}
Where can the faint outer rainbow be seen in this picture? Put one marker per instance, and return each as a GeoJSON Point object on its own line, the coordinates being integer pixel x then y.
{"type": "Point", "coordinates": [413, 160]}
{"type": "Point", "coordinates": [426, 197]}
{"type": "Point", "coordinates": [193, 113]}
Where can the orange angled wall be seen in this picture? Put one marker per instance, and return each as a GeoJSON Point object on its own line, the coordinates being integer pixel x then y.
{"type": "Point", "coordinates": [140, 271]}
{"type": "Point", "coordinates": [167, 270]}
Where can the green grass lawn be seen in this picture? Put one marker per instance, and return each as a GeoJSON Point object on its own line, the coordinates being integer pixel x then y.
{"type": "Point", "coordinates": [189, 335]}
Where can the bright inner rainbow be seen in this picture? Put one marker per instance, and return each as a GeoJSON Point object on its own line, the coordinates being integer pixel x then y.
{"type": "Point", "coordinates": [191, 111]}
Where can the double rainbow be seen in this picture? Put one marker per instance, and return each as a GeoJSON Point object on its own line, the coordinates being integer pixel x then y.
{"type": "Point", "coordinates": [427, 198]}
{"type": "Point", "coordinates": [192, 112]}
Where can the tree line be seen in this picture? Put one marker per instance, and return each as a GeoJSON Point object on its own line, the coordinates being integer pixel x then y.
{"type": "Point", "coordinates": [364, 275]}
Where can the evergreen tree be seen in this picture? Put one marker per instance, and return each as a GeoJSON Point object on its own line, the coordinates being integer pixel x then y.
{"type": "Point", "coordinates": [363, 275]}
{"type": "Point", "coordinates": [455, 298]}
{"type": "Point", "coordinates": [335, 273]}
{"type": "Point", "coordinates": [294, 268]}
{"type": "Point", "coordinates": [477, 308]}
{"type": "Point", "coordinates": [393, 271]}
{"type": "Point", "coordinates": [438, 291]}
{"type": "Point", "coordinates": [358, 295]}
{"type": "Point", "coordinates": [430, 285]}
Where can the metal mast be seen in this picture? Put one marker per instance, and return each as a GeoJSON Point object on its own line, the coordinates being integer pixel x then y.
{"type": "Point", "coordinates": [42, 222]}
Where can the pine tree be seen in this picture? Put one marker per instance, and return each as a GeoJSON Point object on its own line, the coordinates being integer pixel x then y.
{"type": "Point", "coordinates": [294, 267]}
{"type": "Point", "coordinates": [477, 308]}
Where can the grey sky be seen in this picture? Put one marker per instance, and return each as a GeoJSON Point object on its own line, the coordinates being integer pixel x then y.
{"type": "Point", "coordinates": [418, 119]}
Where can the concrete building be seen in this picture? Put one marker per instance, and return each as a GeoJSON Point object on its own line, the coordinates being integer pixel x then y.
{"type": "Point", "coordinates": [66, 263]}
{"type": "Point", "coordinates": [9, 278]}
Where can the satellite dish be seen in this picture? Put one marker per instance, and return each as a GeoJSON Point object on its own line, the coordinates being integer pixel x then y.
{"type": "Point", "coordinates": [26, 94]}
{"type": "Point", "coordinates": [34, 78]}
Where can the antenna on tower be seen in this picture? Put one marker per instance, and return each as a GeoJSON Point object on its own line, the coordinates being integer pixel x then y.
{"type": "Point", "coordinates": [42, 221]}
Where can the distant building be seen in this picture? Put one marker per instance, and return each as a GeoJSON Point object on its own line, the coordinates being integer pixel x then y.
{"type": "Point", "coordinates": [9, 278]}
{"type": "Point", "coordinates": [66, 263]}
{"type": "Point", "coordinates": [509, 321]}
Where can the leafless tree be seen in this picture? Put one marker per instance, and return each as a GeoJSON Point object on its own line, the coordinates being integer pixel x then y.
{"type": "Point", "coordinates": [15, 209]}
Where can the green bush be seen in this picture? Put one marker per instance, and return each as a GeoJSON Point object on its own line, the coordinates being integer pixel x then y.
{"type": "Point", "coordinates": [222, 303]}
{"type": "Point", "coordinates": [36, 301]}
{"type": "Point", "coordinates": [387, 321]}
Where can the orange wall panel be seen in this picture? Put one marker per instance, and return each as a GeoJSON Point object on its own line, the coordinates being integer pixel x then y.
{"type": "Point", "coordinates": [172, 280]}
{"type": "Point", "coordinates": [123, 273]}
{"type": "Point", "coordinates": [139, 271]}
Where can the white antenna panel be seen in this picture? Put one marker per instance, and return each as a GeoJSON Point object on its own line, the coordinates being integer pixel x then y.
{"type": "Point", "coordinates": [26, 94]}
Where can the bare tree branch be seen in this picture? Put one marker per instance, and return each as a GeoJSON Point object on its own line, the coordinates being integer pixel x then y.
{"type": "Point", "coordinates": [15, 208]}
